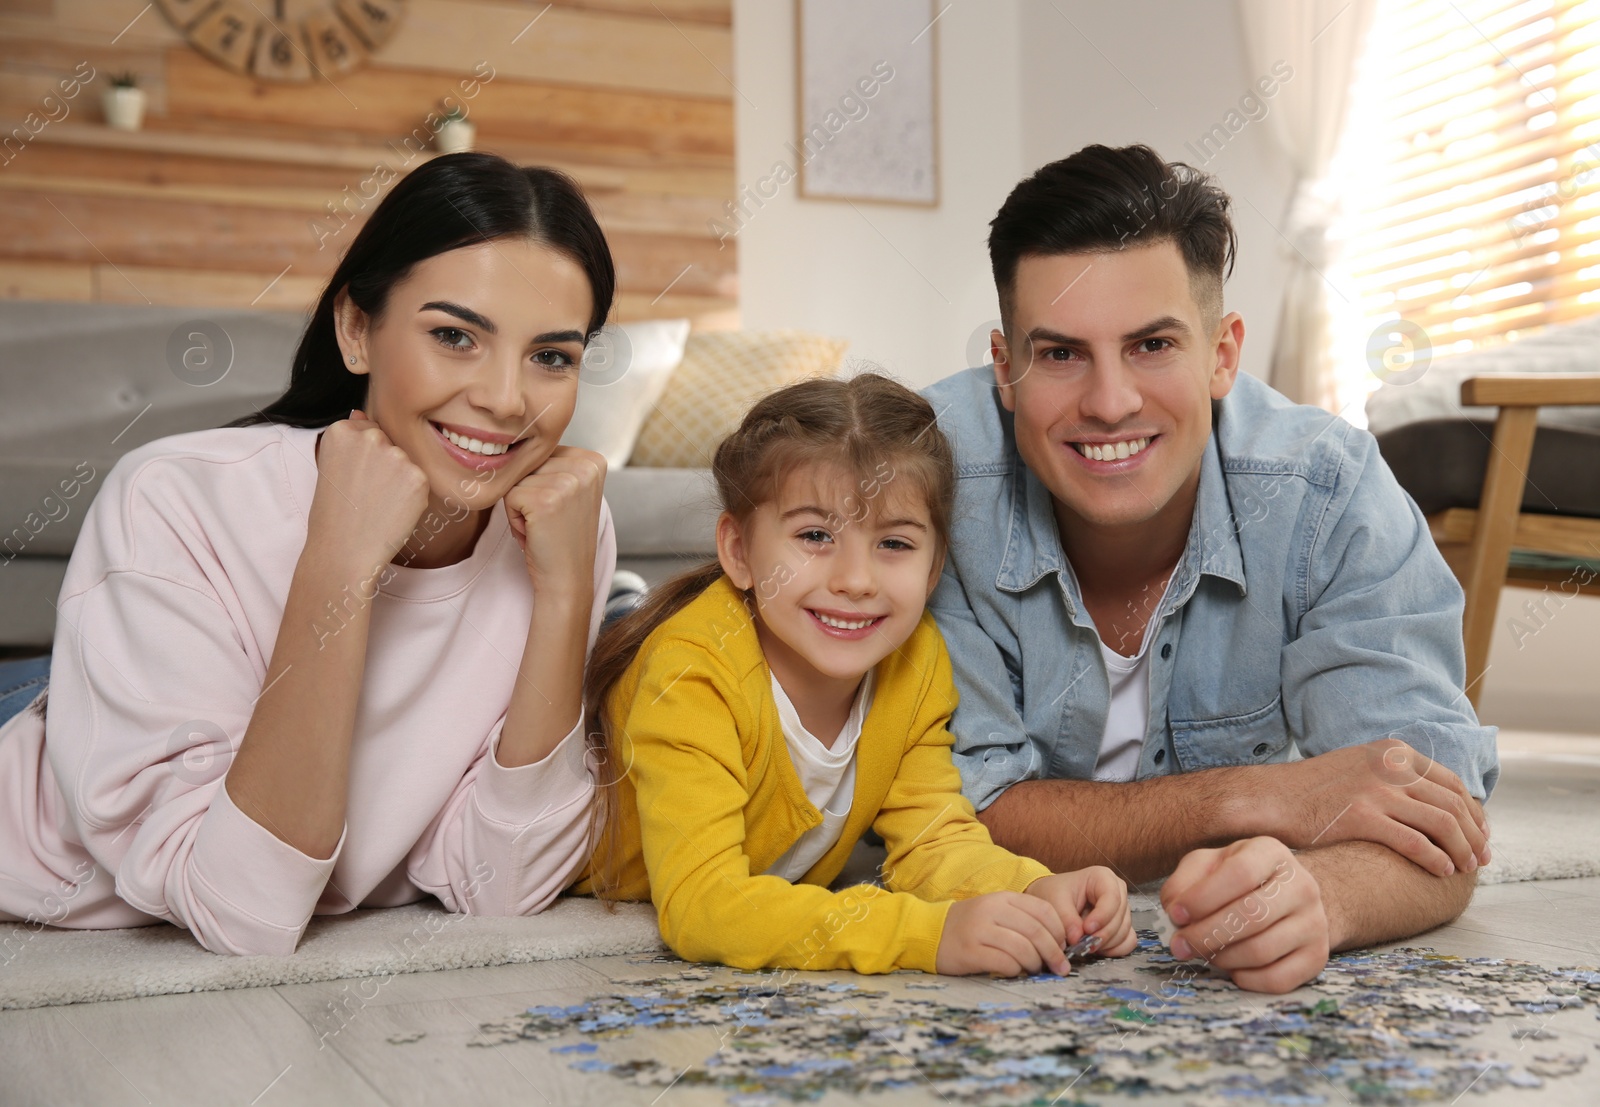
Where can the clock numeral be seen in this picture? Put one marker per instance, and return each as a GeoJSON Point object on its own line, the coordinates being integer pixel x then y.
{"type": "Point", "coordinates": [334, 47]}
{"type": "Point", "coordinates": [334, 37]}
{"type": "Point", "coordinates": [279, 57]}
{"type": "Point", "coordinates": [227, 34]}
{"type": "Point", "coordinates": [373, 20]}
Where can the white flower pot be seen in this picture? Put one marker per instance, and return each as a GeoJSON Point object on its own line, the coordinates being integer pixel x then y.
{"type": "Point", "coordinates": [455, 136]}
{"type": "Point", "coordinates": [124, 107]}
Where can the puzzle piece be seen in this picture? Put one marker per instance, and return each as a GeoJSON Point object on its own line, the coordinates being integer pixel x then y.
{"type": "Point", "coordinates": [1083, 947]}
{"type": "Point", "coordinates": [1391, 1027]}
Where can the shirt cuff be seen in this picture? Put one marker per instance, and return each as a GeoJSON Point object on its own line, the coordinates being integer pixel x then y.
{"type": "Point", "coordinates": [525, 794]}
{"type": "Point", "coordinates": [1028, 871]}
{"type": "Point", "coordinates": [924, 929]}
{"type": "Point", "coordinates": [254, 870]}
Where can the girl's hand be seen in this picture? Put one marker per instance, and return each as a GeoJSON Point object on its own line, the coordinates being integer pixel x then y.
{"type": "Point", "coordinates": [554, 513]}
{"type": "Point", "coordinates": [369, 494]}
{"type": "Point", "coordinates": [1097, 887]}
{"type": "Point", "coordinates": [1003, 933]}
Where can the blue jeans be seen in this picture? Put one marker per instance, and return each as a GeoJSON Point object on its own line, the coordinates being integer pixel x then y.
{"type": "Point", "coordinates": [20, 682]}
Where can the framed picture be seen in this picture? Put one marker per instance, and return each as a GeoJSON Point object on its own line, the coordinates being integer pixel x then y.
{"type": "Point", "coordinates": [867, 104]}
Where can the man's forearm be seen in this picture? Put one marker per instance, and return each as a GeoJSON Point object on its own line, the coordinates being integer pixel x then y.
{"type": "Point", "coordinates": [1371, 894]}
{"type": "Point", "coordinates": [1140, 829]}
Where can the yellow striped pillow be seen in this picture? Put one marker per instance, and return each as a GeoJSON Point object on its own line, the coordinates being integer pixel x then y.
{"type": "Point", "coordinates": [722, 374]}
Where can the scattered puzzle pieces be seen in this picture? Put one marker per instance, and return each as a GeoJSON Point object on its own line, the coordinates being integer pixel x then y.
{"type": "Point", "coordinates": [1396, 1027]}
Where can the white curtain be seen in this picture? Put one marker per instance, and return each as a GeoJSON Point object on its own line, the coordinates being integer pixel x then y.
{"type": "Point", "coordinates": [1321, 40]}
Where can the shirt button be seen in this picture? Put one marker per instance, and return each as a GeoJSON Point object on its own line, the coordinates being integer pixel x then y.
{"type": "Point", "coordinates": [1260, 749]}
{"type": "Point", "coordinates": [1166, 650]}
{"type": "Point", "coordinates": [1161, 755]}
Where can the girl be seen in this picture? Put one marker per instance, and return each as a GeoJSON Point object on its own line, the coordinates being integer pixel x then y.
{"type": "Point", "coordinates": [763, 712]}
{"type": "Point", "coordinates": [331, 656]}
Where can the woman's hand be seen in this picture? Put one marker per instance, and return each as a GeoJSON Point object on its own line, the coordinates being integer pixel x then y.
{"type": "Point", "coordinates": [369, 494]}
{"type": "Point", "coordinates": [1003, 933]}
{"type": "Point", "coordinates": [1103, 895]}
{"type": "Point", "coordinates": [554, 512]}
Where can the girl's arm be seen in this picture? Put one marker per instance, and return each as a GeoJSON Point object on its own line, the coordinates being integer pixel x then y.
{"type": "Point", "coordinates": [681, 740]}
{"type": "Point", "coordinates": [937, 847]}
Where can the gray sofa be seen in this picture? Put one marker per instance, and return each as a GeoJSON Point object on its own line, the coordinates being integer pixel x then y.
{"type": "Point", "coordinates": [81, 384]}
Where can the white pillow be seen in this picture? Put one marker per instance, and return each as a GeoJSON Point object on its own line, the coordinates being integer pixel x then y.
{"type": "Point", "coordinates": [625, 370]}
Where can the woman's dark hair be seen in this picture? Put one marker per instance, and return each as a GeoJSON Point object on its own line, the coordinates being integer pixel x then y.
{"type": "Point", "coordinates": [452, 201]}
{"type": "Point", "coordinates": [869, 426]}
{"type": "Point", "coordinates": [1102, 199]}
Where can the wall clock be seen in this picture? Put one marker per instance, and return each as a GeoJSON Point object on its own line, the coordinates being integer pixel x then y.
{"type": "Point", "coordinates": [286, 40]}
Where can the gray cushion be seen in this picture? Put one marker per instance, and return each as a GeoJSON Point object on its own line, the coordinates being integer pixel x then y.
{"type": "Point", "coordinates": [1441, 462]}
{"type": "Point", "coordinates": [85, 383]}
{"type": "Point", "coordinates": [662, 511]}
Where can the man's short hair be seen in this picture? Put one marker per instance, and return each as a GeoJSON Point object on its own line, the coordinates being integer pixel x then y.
{"type": "Point", "coordinates": [1102, 199]}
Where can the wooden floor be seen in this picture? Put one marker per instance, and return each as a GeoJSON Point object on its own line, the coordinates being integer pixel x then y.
{"type": "Point", "coordinates": [331, 1043]}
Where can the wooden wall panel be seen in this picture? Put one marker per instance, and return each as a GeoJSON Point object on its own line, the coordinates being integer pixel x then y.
{"type": "Point", "coordinates": [45, 280]}
{"type": "Point", "coordinates": [59, 226]}
{"type": "Point", "coordinates": [137, 284]}
{"type": "Point", "coordinates": [564, 45]}
{"type": "Point", "coordinates": [391, 103]}
{"type": "Point", "coordinates": [718, 12]}
{"type": "Point", "coordinates": [213, 203]}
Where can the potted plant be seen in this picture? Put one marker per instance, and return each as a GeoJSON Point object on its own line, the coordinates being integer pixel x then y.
{"type": "Point", "coordinates": [124, 102]}
{"type": "Point", "coordinates": [455, 133]}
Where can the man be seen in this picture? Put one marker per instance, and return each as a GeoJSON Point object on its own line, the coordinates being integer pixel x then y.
{"type": "Point", "coordinates": [1194, 624]}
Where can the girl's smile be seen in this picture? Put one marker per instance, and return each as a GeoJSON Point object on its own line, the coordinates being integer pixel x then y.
{"type": "Point", "coordinates": [844, 626]}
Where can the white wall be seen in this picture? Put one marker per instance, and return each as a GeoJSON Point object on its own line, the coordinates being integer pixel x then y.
{"type": "Point", "coordinates": [906, 286]}
{"type": "Point", "coordinates": [1018, 86]}
{"type": "Point", "coordinates": [1164, 74]}
{"type": "Point", "coordinates": [1544, 661]}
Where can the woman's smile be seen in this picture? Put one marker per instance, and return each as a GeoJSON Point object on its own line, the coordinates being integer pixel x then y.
{"type": "Point", "coordinates": [474, 452]}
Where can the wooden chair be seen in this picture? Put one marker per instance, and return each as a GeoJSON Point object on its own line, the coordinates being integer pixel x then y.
{"type": "Point", "coordinates": [1478, 543]}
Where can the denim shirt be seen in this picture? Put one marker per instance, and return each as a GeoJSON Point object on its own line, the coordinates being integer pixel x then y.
{"type": "Point", "coordinates": [1310, 609]}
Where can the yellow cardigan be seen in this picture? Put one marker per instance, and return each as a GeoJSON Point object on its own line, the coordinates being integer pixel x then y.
{"type": "Point", "coordinates": [710, 800]}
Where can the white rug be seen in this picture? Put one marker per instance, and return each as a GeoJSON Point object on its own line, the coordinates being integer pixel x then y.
{"type": "Point", "coordinates": [49, 967]}
{"type": "Point", "coordinates": [1544, 820]}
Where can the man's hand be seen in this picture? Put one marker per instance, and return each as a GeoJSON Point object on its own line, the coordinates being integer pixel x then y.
{"type": "Point", "coordinates": [1386, 792]}
{"type": "Point", "coordinates": [1252, 910]}
{"type": "Point", "coordinates": [1091, 901]}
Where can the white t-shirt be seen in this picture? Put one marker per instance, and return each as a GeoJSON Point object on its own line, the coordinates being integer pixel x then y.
{"type": "Point", "coordinates": [1128, 715]}
{"type": "Point", "coordinates": [827, 774]}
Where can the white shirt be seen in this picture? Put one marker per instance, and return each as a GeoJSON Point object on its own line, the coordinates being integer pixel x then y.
{"type": "Point", "coordinates": [828, 775]}
{"type": "Point", "coordinates": [1128, 717]}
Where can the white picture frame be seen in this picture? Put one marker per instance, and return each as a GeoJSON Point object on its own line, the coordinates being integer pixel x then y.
{"type": "Point", "coordinates": [867, 101]}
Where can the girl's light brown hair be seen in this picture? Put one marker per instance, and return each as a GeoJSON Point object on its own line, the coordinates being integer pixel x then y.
{"type": "Point", "coordinates": [856, 425]}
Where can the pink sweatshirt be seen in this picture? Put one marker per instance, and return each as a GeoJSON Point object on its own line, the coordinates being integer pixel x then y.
{"type": "Point", "coordinates": [114, 812]}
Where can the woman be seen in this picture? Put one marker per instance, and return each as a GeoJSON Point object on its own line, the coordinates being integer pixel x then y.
{"type": "Point", "coordinates": [331, 655]}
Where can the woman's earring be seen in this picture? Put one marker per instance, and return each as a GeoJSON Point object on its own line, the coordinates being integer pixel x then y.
{"type": "Point", "coordinates": [352, 359]}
